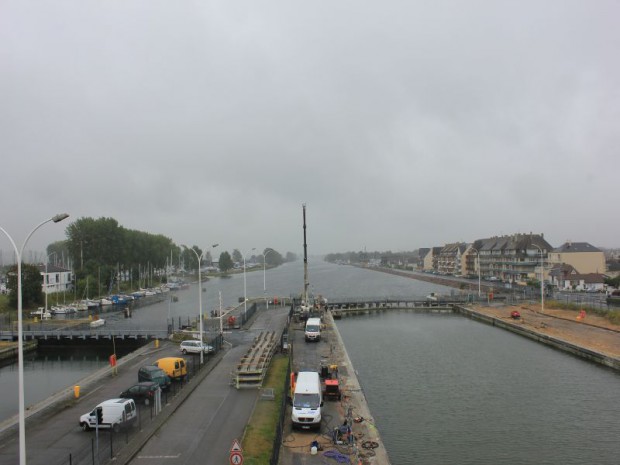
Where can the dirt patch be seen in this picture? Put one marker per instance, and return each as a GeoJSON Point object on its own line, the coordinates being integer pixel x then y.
{"type": "Point", "coordinates": [590, 331]}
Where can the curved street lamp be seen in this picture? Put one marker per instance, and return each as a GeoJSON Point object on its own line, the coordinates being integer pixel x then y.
{"type": "Point", "coordinates": [199, 259]}
{"type": "Point", "coordinates": [265, 276]}
{"type": "Point", "coordinates": [20, 332]}
{"type": "Point", "coordinates": [245, 291]}
{"type": "Point", "coordinates": [542, 279]}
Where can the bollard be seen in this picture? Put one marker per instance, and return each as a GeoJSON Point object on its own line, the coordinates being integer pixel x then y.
{"type": "Point", "coordinates": [157, 343]}
{"type": "Point", "coordinates": [76, 391]}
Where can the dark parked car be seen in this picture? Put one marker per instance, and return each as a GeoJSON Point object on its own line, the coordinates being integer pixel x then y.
{"type": "Point", "coordinates": [141, 392]}
{"type": "Point", "coordinates": [155, 374]}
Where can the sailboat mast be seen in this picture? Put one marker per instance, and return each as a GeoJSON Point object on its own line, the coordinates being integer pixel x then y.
{"type": "Point", "coordinates": [306, 284]}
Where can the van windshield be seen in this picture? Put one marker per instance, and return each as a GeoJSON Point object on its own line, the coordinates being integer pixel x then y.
{"type": "Point", "coordinates": [312, 328]}
{"type": "Point", "coordinates": [306, 401]}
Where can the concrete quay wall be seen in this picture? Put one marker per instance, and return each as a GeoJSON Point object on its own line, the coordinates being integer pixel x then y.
{"type": "Point", "coordinates": [551, 341]}
{"type": "Point", "coordinates": [9, 350]}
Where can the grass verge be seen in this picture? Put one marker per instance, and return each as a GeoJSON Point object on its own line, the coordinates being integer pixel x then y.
{"type": "Point", "coordinates": [261, 430]}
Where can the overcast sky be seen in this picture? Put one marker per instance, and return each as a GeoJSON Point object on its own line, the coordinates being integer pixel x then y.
{"type": "Point", "coordinates": [401, 124]}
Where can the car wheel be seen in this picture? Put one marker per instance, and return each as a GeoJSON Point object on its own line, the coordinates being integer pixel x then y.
{"type": "Point", "coordinates": [184, 352]}
{"type": "Point", "coordinates": [85, 426]}
{"type": "Point", "coordinates": [116, 428]}
{"type": "Point", "coordinates": [147, 402]}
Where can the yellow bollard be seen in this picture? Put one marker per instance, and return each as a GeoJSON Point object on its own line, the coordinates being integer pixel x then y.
{"type": "Point", "coordinates": [76, 391]}
{"type": "Point", "coordinates": [157, 343]}
{"type": "Point", "coordinates": [36, 320]}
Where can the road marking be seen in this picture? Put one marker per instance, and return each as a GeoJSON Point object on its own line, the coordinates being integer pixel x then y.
{"type": "Point", "coordinates": [159, 456]}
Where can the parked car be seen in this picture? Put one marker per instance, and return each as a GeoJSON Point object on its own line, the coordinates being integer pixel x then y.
{"type": "Point", "coordinates": [175, 367]}
{"type": "Point", "coordinates": [194, 347]}
{"type": "Point", "coordinates": [155, 374]}
{"type": "Point", "coordinates": [115, 413]}
{"type": "Point", "coordinates": [141, 392]}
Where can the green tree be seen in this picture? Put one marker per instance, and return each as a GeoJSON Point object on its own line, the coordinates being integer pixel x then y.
{"type": "Point", "coordinates": [32, 281]}
{"type": "Point", "coordinates": [272, 257]}
{"type": "Point", "coordinates": [225, 262]}
{"type": "Point", "coordinates": [236, 256]}
{"type": "Point", "coordinates": [189, 258]}
{"type": "Point", "coordinates": [95, 243]}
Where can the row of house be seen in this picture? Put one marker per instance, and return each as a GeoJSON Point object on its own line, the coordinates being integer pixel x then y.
{"type": "Point", "coordinates": [519, 259]}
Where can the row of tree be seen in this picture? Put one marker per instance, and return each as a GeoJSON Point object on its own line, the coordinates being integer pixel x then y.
{"type": "Point", "coordinates": [102, 253]}
{"type": "Point", "coordinates": [103, 250]}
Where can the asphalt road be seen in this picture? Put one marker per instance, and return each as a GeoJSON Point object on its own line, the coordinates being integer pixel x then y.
{"type": "Point", "coordinates": [204, 427]}
{"type": "Point", "coordinates": [208, 413]}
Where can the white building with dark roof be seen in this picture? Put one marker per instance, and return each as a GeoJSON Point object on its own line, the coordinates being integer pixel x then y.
{"type": "Point", "coordinates": [55, 279]}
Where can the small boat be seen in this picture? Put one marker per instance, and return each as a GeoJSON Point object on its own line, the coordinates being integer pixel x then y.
{"type": "Point", "coordinates": [104, 302]}
{"type": "Point", "coordinates": [79, 306]}
{"type": "Point", "coordinates": [56, 310]}
{"type": "Point", "coordinates": [41, 313]}
{"type": "Point", "coordinates": [90, 304]}
{"type": "Point", "coordinates": [97, 323]}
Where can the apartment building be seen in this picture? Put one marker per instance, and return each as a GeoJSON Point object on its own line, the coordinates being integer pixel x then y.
{"type": "Point", "coordinates": [584, 257]}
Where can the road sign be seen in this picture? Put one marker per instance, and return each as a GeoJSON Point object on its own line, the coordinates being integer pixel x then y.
{"type": "Point", "coordinates": [236, 458]}
{"type": "Point", "coordinates": [236, 447]}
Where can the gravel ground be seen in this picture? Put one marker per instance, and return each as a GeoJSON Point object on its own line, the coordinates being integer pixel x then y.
{"type": "Point", "coordinates": [591, 332]}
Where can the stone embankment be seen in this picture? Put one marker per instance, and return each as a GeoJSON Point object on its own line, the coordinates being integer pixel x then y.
{"type": "Point", "coordinates": [436, 279]}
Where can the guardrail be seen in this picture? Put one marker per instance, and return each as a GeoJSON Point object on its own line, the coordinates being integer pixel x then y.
{"type": "Point", "coordinates": [87, 334]}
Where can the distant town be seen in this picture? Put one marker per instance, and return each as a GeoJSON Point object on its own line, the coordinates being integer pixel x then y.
{"type": "Point", "coordinates": [516, 259]}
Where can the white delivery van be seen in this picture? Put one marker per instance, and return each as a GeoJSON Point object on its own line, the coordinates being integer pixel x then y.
{"type": "Point", "coordinates": [307, 401]}
{"type": "Point", "coordinates": [116, 413]}
{"type": "Point", "coordinates": [313, 329]}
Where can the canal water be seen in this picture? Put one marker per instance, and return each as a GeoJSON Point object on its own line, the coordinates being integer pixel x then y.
{"type": "Point", "coordinates": [444, 389]}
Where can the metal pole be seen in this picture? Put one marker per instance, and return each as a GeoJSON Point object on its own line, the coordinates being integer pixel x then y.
{"type": "Point", "coordinates": [542, 279]}
{"type": "Point", "coordinates": [199, 259]}
{"type": "Point", "coordinates": [479, 292]}
{"type": "Point", "coordinates": [245, 291]}
{"type": "Point", "coordinates": [20, 333]}
{"type": "Point", "coordinates": [200, 306]}
{"type": "Point", "coordinates": [265, 277]}
{"type": "Point", "coordinates": [221, 327]}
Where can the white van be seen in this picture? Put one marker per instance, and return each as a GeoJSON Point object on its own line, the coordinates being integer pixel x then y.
{"type": "Point", "coordinates": [116, 413]}
{"type": "Point", "coordinates": [313, 329]}
{"type": "Point", "coordinates": [307, 401]}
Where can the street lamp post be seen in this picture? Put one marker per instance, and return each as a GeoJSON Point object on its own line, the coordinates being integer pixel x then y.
{"type": "Point", "coordinates": [478, 260]}
{"type": "Point", "coordinates": [46, 282]}
{"type": "Point", "coordinates": [265, 276]}
{"type": "Point", "coordinates": [542, 278]}
{"type": "Point", "coordinates": [245, 291]}
{"type": "Point", "coordinates": [199, 259]}
{"type": "Point", "coordinates": [20, 332]}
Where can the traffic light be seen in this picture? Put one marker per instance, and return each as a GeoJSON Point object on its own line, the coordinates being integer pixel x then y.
{"type": "Point", "coordinates": [99, 415]}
